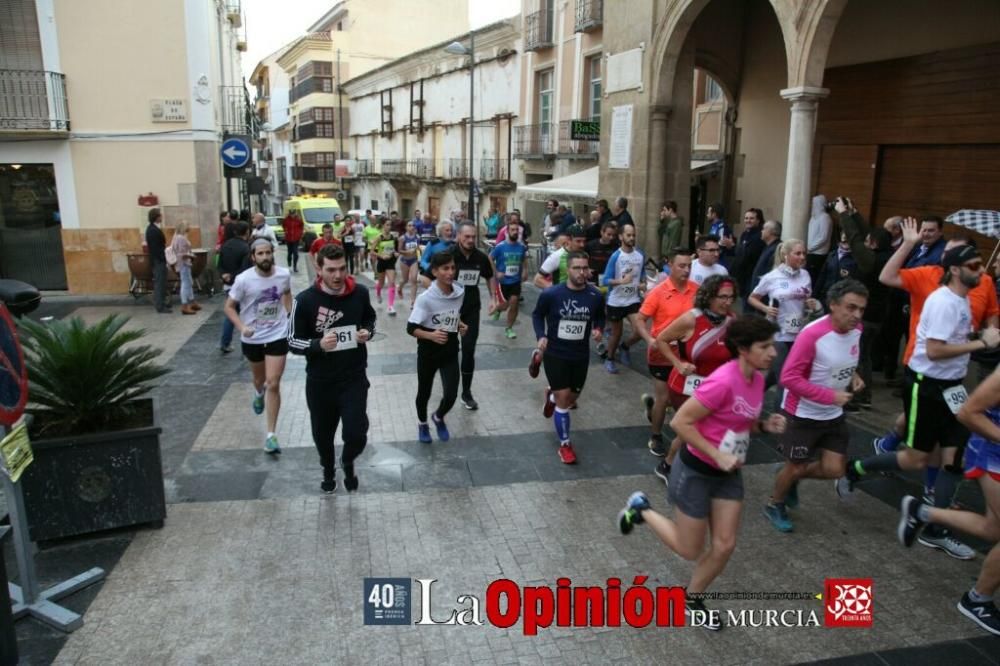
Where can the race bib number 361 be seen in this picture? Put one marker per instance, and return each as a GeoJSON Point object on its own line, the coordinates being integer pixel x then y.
{"type": "Point", "coordinates": [345, 338]}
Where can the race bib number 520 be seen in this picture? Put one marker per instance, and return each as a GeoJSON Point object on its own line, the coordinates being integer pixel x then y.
{"type": "Point", "coordinates": [572, 330]}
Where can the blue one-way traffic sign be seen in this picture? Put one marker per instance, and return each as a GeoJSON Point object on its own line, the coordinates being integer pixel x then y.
{"type": "Point", "coordinates": [235, 152]}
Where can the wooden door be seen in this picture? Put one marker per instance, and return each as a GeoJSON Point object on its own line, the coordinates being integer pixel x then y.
{"type": "Point", "coordinates": [848, 170]}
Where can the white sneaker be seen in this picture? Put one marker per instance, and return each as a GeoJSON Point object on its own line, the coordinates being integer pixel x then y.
{"type": "Point", "coordinates": [392, 311]}
{"type": "Point", "coordinates": [949, 544]}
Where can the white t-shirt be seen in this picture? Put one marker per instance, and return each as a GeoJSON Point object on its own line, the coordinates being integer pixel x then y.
{"type": "Point", "coordinates": [700, 272]}
{"type": "Point", "coordinates": [790, 290]}
{"type": "Point", "coordinates": [264, 231]}
{"type": "Point", "coordinates": [620, 264]}
{"type": "Point", "coordinates": [359, 233]}
{"type": "Point", "coordinates": [946, 316]}
{"type": "Point", "coordinates": [552, 262]}
{"type": "Point", "coordinates": [259, 297]}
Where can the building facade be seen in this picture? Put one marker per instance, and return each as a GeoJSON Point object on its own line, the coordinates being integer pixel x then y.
{"type": "Point", "coordinates": [354, 37]}
{"type": "Point", "coordinates": [273, 150]}
{"type": "Point", "coordinates": [75, 155]}
{"type": "Point", "coordinates": [562, 78]}
{"type": "Point", "coordinates": [410, 130]}
{"type": "Point", "coordinates": [823, 99]}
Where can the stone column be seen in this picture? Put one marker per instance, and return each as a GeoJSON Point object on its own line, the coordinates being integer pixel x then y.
{"type": "Point", "coordinates": [659, 116]}
{"type": "Point", "coordinates": [798, 175]}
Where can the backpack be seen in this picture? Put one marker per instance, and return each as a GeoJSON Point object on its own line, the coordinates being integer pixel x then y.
{"type": "Point", "coordinates": [170, 255]}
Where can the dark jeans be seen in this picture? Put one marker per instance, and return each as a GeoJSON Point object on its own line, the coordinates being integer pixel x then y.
{"type": "Point", "coordinates": [814, 266]}
{"type": "Point", "coordinates": [349, 254]}
{"type": "Point", "coordinates": [868, 338]}
{"type": "Point", "coordinates": [895, 326]}
{"type": "Point", "coordinates": [331, 403]}
{"type": "Point", "coordinates": [428, 364]}
{"type": "Point", "coordinates": [159, 283]}
{"type": "Point", "coordinates": [293, 255]}
{"type": "Point", "coordinates": [227, 327]}
{"type": "Point", "coordinates": [469, 353]}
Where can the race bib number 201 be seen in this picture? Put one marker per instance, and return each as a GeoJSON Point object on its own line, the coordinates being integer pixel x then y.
{"type": "Point", "coordinates": [269, 312]}
{"type": "Point", "coordinates": [572, 330]}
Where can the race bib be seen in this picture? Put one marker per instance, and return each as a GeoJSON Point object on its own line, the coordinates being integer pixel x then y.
{"type": "Point", "coordinates": [627, 290]}
{"type": "Point", "coordinates": [446, 321]}
{"type": "Point", "coordinates": [955, 397]}
{"type": "Point", "coordinates": [468, 277]}
{"type": "Point", "coordinates": [792, 323]}
{"type": "Point", "coordinates": [345, 337]}
{"type": "Point", "coordinates": [411, 245]}
{"type": "Point", "coordinates": [691, 383]}
{"type": "Point", "coordinates": [736, 443]}
{"type": "Point", "coordinates": [512, 270]}
{"type": "Point", "coordinates": [841, 377]}
{"type": "Point", "coordinates": [572, 330]}
{"type": "Point", "coordinates": [269, 313]}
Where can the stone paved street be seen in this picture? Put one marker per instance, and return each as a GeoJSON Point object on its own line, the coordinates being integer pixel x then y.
{"type": "Point", "coordinates": [256, 566]}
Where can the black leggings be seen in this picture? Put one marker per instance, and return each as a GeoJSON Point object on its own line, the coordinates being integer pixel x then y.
{"type": "Point", "coordinates": [330, 403]}
{"type": "Point", "coordinates": [349, 255]}
{"type": "Point", "coordinates": [293, 255]}
{"type": "Point", "coordinates": [427, 365]}
{"type": "Point", "coordinates": [469, 352]}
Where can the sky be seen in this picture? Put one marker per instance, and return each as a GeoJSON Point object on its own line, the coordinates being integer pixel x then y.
{"type": "Point", "coordinates": [270, 24]}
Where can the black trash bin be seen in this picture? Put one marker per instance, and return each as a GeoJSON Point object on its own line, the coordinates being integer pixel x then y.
{"type": "Point", "coordinates": [8, 640]}
{"type": "Point", "coordinates": [19, 297]}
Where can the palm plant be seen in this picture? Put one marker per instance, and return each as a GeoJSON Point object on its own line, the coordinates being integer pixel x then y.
{"type": "Point", "coordinates": [87, 377]}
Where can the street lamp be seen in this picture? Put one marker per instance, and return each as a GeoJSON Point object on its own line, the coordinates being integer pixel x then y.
{"type": "Point", "coordinates": [456, 48]}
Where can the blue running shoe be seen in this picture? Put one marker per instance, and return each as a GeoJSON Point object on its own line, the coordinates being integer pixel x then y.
{"type": "Point", "coordinates": [258, 403]}
{"type": "Point", "coordinates": [624, 356]}
{"type": "Point", "coordinates": [778, 516]}
{"type": "Point", "coordinates": [631, 515]}
{"type": "Point", "coordinates": [424, 433]}
{"type": "Point", "coordinates": [271, 445]}
{"type": "Point", "coordinates": [610, 366]}
{"type": "Point", "coordinates": [442, 429]}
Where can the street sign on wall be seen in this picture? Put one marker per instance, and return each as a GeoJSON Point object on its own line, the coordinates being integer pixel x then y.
{"type": "Point", "coordinates": [235, 151]}
{"type": "Point", "coordinates": [585, 130]}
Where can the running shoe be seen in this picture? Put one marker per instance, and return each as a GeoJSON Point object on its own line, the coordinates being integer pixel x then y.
{"type": "Point", "coordinates": [657, 447]}
{"type": "Point", "coordinates": [442, 429]}
{"type": "Point", "coordinates": [329, 484]}
{"type": "Point", "coordinates": [495, 316]}
{"type": "Point", "coordinates": [258, 403]}
{"type": "Point", "coordinates": [378, 299]}
{"type": "Point", "coordinates": [792, 498]}
{"type": "Point", "coordinates": [424, 433]}
{"type": "Point", "coordinates": [271, 445]}
{"type": "Point", "coordinates": [985, 614]}
{"type": "Point", "coordinates": [943, 540]}
{"type": "Point", "coordinates": [469, 402]}
{"type": "Point", "coordinates": [778, 516]}
{"type": "Point", "coordinates": [609, 365]}
{"type": "Point", "coordinates": [392, 311]}
{"type": "Point", "coordinates": [350, 479]}
{"type": "Point", "coordinates": [845, 484]}
{"type": "Point", "coordinates": [709, 621]}
{"type": "Point", "coordinates": [928, 496]}
{"type": "Point", "coordinates": [909, 524]}
{"type": "Point", "coordinates": [879, 446]}
{"type": "Point", "coordinates": [535, 363]}
{"type": "Point", "coordinates": [567, 454]}
{"type": "Point", "coordinates": [624, 356]}
{"type": "Point", "coordinates": [602, 348]}
{"type": "Point", "coordinates": [509, 332]}
{"type": "Point", "coordinates": [228, 349]}
{"type": "Point", "coordinates": [549, 408]}
{"type": "Point", "coordinates": [647, 404]}
{"type": "Point", "coordinates": [663, 471]}
{"type": "Point", "coordinates": [631, 515]}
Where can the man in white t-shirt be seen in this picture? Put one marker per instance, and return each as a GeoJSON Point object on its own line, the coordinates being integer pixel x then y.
{"type": "Point", "coordinates": [933, 392]}
{"type": "Point", "coordinates": [261, 230]}
{"type": "Point", "coordinates": [554, 270]}
{"type": "Point", "coordinates": [626, 282]}
{"type": "Point", "coordinates": [264, 298]}
{"type": "Point", "coordinates": [707, 262]}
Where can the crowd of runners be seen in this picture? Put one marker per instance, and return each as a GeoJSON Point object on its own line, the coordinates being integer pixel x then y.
{"type": "Point", "coordinates": [723, 325]}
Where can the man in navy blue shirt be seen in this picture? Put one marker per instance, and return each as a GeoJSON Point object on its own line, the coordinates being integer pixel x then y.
{"type": "Point", "coordinates": [932, 242]}
{"type": "Point", "coordinates": [565, 318]}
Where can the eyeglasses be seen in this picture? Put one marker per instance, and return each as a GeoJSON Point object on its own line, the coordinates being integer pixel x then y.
{"type": "Point", "coordinates": [725, 297]}
{"type": "Point", "coordinates": [974, 265]}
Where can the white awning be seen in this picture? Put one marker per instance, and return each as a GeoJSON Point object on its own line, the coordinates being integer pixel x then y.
{"type": "Point", "coordinates": [580, 185]}
{"type": "Point", "coordinates": [704, 166]}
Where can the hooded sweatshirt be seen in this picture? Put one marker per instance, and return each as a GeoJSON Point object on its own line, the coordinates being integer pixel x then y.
{"type": "Point", "coordinates": [820, 227]}
{"type": "Point", "coordinates": [435, 310]}
{"type": "Point", "coordinates": [314, 312]}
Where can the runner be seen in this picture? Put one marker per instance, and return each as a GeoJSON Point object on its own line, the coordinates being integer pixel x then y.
{"type": "Point", "coordinates": [789, 290]}
{"type": "Point", "coordinates": [707, 262]}
{"type": "Point", "coordinates": [331, 322]}
{"type": "Point", "coordinates": [933, 392]}
{"type": "Point", "coordinates": [694, 346]}
{"type": "Point", "coordinates": [626, 278]}
{"type": "Point", "coordinates": [981, 414]}
{"type": "Point", "coordinates": [258, 305]}
{"type": "Point", "coordinates": [554, 269]}
{"type": "Point", "coordinates": [471, 264]}
{"type": "Point", "coordinates": [508, 263]}
{"type": "Point", "coordinates": [371, 234]}
{"type": "Point", "coordinates": [565, 316]}
{"type": "Point", "coordinates": [436, 321]}
{"type": "Point", "coordinates": [385, 265]}
{"type": "Point", "coordinates": [663, 304]}
{"type": "Point", "coordinates": [327, 238]}
{"type": "Point", "coordinates": [409, 252]}
{"type": "Point", "coordinates": [425, 229]}
{"type": "Point", "coordinates": [600, 250]}
{"type": "Point", "coordinates": [706, 485]}
{"type": "Point", "coordinates": [445, 240]}
{"type": "Point", "coordinates": [820, 377]}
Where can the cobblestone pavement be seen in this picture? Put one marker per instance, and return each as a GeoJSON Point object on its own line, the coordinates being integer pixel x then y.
{"type": "Point", "coordinates": [255, 566]}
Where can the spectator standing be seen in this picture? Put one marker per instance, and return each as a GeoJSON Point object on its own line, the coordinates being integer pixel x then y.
{"type": "Point", "coordinates": [819, 238]}
{"type": "Point", "coordinates": [184, 256]}
{"type": "Point", "coordinates": [669, 230]}
{"type": "Point", "coordinates": [294, 228]}
{"type": "Point", "coordinates": [156, 242]}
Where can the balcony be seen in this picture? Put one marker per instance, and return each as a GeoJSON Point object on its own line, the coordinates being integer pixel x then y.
{"type": "Point", "coordinates": [315, 174]}
{"type": "Point", "coordinates": [494, 170]}
{"type": "Point", "coordinates": [237, 114]}
{"type": "Point", "coordinates": [535, 141]}
{"type": "Point", "coordinates": [234, 13]}
{"type": "Point", "coordinates": [33, 101]}
{"type": "Point", "coordinates": [589, 15]}
{"type": "Point", "coordinates": [538, 30]}
{"type": "Point", "coordinates": [576, 148]}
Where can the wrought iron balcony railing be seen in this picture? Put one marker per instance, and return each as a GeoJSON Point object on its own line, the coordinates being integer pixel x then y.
{"type": "Point", "coordinates": [33, 100]}
{"type": "Point", "coordinates": [538, 30]}
{"type": "Point", "coordinates": [535, 140]}
{"type": "Point", "coordinates": [589, 15]}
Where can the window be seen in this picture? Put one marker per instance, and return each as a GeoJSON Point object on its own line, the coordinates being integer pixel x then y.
{"type": "Point", "coordinates": [357, 202]}
{"type": "Point", "coordinates": [594, 86]}
{"type": "Point", "coordinates": [713, 91]}
{"type": "Point", "coordinates": [545, 95]}
{"type": "Point", "coordinates": [316, 122]}
{"type": "Point", "coordinates": [314, 76]}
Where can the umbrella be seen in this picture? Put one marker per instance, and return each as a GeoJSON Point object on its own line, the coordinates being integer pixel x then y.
{"type": "Point", "coordinates": [985, 222]}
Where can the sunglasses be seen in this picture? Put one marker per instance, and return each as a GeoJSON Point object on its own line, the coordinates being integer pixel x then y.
{"type": "Point", "coordinates": [974, 265]}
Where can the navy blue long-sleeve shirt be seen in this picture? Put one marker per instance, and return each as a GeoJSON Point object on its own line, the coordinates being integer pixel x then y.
{"type": "Point", "coordinates": [566, 317]}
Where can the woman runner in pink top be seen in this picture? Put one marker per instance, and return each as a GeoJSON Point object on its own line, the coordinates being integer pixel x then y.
{"type": "Point", "coordinates": [706, 485]}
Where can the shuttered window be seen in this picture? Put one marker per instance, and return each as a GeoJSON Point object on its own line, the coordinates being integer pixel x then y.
{"type": "Point", "coordinates": [20, 47]}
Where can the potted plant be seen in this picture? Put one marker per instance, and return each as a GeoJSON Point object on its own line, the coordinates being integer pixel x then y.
{"type": "Point", "coordinates": [97, 457]}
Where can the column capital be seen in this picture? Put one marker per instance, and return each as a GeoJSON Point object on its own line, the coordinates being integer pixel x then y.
{"type": "Point", "coordinates": [660, 112]}
{"type": "Point", "coordinates": [804, 94]}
